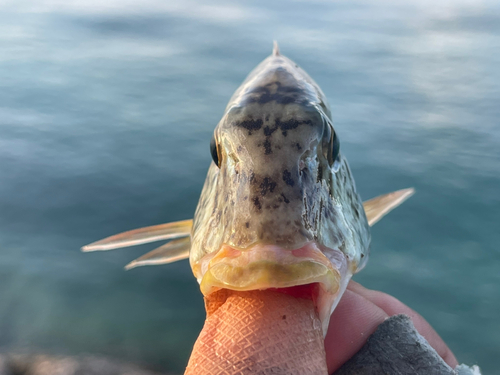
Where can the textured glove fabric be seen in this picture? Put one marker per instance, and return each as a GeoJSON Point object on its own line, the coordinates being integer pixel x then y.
{"type": "Point", "coordinates": [259, 332]}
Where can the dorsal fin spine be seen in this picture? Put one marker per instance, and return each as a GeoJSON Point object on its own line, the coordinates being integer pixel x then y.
{"type": "Point", "coordinates": [276, 49]}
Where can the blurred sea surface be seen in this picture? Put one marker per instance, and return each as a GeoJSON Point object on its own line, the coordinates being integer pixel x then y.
{"type": "Point", "coordinates": [106, 113]}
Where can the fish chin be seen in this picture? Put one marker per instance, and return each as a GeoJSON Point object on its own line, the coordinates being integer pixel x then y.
{"type": "Point", "coordinates": [272, 267]}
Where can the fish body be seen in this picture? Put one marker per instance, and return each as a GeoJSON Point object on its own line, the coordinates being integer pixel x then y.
{"type": "Point", "coordinates": [279, 209]}
{"type": "Point", "coordinates": [279, 206]}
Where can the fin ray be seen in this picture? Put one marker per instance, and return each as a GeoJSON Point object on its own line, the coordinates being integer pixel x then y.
{"type": "Point", "coordinates": [276, 49]}
{"type": "Point", "coordinates": [170, 252]}
{"type": "Point", "coordinates": [376, 208]}
{"type": "Point", "coordinates": [141, 236]}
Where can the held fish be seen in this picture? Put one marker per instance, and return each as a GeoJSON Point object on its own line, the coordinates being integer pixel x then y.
{"type": "Point", "coordinates": [278, 232]}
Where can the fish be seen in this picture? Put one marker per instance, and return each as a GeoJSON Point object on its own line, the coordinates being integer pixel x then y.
{"type": "Point", "coordinates": [278, 232]}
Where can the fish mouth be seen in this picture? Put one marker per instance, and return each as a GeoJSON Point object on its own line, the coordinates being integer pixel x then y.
{"type": "Point", "coordinates": [273, 267]}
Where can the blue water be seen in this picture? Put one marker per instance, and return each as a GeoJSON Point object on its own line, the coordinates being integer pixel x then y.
{"type": "Point", "coordinates": [106, 112]}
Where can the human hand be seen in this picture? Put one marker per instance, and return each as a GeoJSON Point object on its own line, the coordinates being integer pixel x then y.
{"type": "Point", "coordinates": [359, 313]}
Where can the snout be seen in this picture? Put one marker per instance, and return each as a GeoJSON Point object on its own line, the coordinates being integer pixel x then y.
{"type": "Point", "coordinates": [272, 267]}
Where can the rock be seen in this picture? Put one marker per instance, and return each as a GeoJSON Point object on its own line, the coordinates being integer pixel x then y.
{"type": "Point", "coordinates": [22, 364]}
{"type": "Point", "coordinates": [394, 348]}
{"type": "Point", "coordinates": [397, 348]}
{"type": "Point", "coordinates": [4, 369]}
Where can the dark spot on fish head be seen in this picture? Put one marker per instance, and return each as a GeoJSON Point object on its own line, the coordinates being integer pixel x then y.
{"type": "Point", "coordinates": [285, 199]}
{"type": "Point", "coordinates": [268, 131]}
{"type": "Point", "coordinates": [256, 203]}
{"type": "Point", "coordinates": [267, 185]}
{"type": "Point", "coordinates": [267, 147]}
{"type": "Point", "coordinates": [250, 125]}
{"type": "Point", "coordinates": [287, 177]}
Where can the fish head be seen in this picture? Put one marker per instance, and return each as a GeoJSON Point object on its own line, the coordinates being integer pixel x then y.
{"type": "Point", "coordinates": [279, 207]}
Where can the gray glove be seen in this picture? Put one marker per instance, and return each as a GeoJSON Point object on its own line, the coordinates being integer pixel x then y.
{"type": "Point", "coordinates": [397, 348]}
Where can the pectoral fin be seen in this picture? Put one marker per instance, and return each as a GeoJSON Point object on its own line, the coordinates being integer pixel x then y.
{"type": "Point", "coordinates": [376, 208]}
{"type": "Point", "coordinates": [143, 235]}
{"type": "Point", "coordinates": [170, 252]}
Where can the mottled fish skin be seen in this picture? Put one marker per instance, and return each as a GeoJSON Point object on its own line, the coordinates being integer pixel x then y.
{"type": "Point", "coordinates": [274, 184]}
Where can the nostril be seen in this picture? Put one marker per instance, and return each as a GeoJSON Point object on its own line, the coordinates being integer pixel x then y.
{"type": "Point", "coordinates": [302, 165]}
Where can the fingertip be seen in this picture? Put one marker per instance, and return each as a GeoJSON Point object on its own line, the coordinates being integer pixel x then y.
{"type": "Point", "coordinates": [352, 322]}
{"type": "Point", "coordinates": [392, 306]}
{"type": "Point", "coordinates": [353, 285]}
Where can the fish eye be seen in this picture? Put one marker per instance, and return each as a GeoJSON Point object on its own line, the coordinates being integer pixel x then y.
{"type": "Point", "coordinates": [331, 145]}
{"type": "Point", "coordinates": [334, 148]}
{"type": "Point", "coordinates": [214, 150]}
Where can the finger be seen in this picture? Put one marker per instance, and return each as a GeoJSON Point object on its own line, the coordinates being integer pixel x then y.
{"type": "Point", "coordinates": [351, 323]}
{"type": "Point", "coordinates": [392, 306]}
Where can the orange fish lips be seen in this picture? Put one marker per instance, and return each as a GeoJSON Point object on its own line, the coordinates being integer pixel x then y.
{"type": "Point", "coordinates": [268, 266]}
